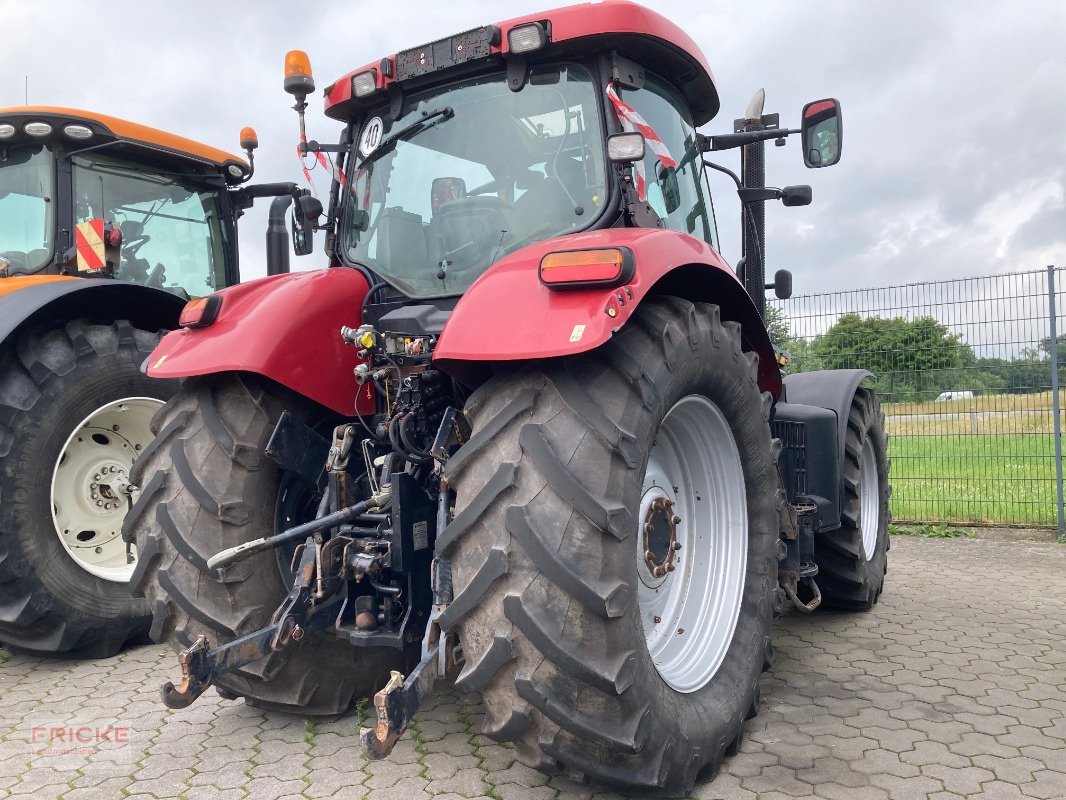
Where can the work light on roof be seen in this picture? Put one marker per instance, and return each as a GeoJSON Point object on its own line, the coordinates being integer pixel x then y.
{"type": "Point", "coordinates": [527, 38]}
{"type": "Point", "coordinates": [79, 132]}
{"type": "Point", "coordinates": [365, 83]}
{"type": "Point", "coordinates": [37, 128]}
{"type": "Point", "coordinates": [7, 131]}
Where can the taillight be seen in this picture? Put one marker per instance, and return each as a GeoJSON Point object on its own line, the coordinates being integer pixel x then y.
{"type": "Point", "coordinates": [201, 312]}
{"type": "Point", "coordinates": [580, 269]}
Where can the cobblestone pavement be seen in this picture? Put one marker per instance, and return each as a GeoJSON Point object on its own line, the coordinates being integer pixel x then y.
{"type": "Point", "coordinates": [955, 686]}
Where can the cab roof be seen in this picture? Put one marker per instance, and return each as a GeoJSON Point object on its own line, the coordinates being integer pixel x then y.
{"type": "Point", "coordinates": [633, 30]}
{"type": "Point", "coordinates": [106, 128]}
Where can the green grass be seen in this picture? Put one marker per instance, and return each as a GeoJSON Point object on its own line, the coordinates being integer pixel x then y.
{"type": "Point", "coordinates": [1006, 479]}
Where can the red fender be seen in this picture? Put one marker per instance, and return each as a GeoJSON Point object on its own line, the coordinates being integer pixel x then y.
{"type": "Point", "coordinates": [509, 315]}
{"type": "Point", "coordinates": [286, 327]}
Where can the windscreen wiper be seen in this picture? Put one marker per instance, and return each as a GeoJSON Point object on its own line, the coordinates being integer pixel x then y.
{"type": "Point", "coordinates": [427, 119]}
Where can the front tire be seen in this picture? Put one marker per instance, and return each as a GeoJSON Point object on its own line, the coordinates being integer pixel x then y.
{"type": "Point", "coordinates": [562, 634]}
{"type": "Point", "coordinates": [74, 413]}
{"type": "Point", "coordinates": [207, 484]}
{"type": "Point", "coordinates": [853, 560]}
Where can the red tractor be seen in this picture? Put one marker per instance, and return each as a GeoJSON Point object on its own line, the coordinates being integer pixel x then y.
{"type": "Point", "coordinates": [529, 424]}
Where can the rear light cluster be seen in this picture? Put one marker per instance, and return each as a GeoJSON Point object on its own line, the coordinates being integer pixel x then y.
{"type": "Point", "coordinates": [201, 312]}
{"type": "Point", "coordinates": [581, 269]}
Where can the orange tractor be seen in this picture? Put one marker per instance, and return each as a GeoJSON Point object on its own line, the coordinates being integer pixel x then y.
{"type": "Point", "coordinates": [528, 424]}
{"type": "Point", "coordinates": [107, 229]}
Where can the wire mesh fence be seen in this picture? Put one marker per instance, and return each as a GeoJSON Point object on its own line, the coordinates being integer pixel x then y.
{"type": "Point", "coordinates": [964, 369]}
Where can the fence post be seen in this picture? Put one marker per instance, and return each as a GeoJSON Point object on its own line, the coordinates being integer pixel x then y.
{"type": "Point", "coordinates": [1055, 399]}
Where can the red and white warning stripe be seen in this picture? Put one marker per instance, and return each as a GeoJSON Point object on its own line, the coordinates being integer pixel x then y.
{"type": "Point", "coordinates": [634, 122]}
{"type": "Point", "coordinates": [89, 243]}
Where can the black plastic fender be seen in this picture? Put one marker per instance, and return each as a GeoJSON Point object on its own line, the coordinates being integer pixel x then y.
{"type": "Point", "coordinates": [828, 388]}
{"type": "Point", "coordinates": [145, 307]}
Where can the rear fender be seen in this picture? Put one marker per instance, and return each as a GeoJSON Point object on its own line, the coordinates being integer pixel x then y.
{"type": "Point", "coordinates": [284, 327]}
{"type": "Point", "coordinates": [29, 300]}
{"type": "Point", "coordinates": [509, 315]}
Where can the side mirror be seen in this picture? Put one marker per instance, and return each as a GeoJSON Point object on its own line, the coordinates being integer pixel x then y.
{"type": "Point", "coordinates": [667, 182]}
{"type": "Point", "coordinates": [303, 229]}
{"type": "Point", "coordinates": [822, 132]}
{"type": "Point", "coordinates": [782, 284]}
{"type": "Point", "coordinates": [796, 195]}
{"type": "Point", "coordinates": [310, 208]}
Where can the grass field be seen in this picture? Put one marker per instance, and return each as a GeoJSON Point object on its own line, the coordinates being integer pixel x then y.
{"type": "Point", "coordinates": [1004, 479]}
{"type": "Point", "coordinates": [984, 402]}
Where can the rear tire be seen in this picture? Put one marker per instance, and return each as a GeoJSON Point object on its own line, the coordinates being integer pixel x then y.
{"type": "Point", "coordinates": [853, 560]}
{"type": "Point", "coordinates": [52, 380]}
{"type": "Point", "coordinates": [549, 594]}
{"type": "Point", "coordinates": [206, 484]}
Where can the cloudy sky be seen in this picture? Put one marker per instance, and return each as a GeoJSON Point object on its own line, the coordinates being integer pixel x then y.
{"type": "Point", "coordinates": [954, 156]}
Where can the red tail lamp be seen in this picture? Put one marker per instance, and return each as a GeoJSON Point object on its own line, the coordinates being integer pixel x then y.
{"type": "Point", "coordinates": [584, 269]}
{"type": "Point", "coordinates": [201, 312]}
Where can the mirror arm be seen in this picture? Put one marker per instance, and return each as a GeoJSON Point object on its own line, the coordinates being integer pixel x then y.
{"type": "Point", "coordinates": [725, 170]}
{"type": "Point", "coordinates": [728, 141]}
{"type": "Point", "coordinates": [315, 146]}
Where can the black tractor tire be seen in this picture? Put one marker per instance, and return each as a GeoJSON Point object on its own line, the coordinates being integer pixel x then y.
{"type": "Point", "coordinates": [848, 577]}
{"type": "Point", "coordinates": [544, 554]}
{"type": "Point", "coordinates": [206, 485]}
{"type": "Point", "coordinates": [52, 378]}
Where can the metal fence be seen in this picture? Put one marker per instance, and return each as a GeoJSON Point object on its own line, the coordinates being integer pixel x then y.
{"type": "Point", "coordinates": [965, 373]}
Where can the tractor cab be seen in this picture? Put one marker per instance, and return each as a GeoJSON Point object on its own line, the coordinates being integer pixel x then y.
{"type": "Point", "coordinates": [465, 150]}
{"type": "Point", "coordinates": [92, 196]}
{"type": "Point", "coordinates": [462, 151]}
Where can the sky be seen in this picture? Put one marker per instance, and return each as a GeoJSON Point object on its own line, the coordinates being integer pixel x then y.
{"type": "Point", "coordinates": [954, 153]}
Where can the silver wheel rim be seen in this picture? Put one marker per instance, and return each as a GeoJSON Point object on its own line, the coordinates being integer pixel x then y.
{"type": "Point", "coordinates": [89, 481]}
{"type": "Point", "coordinates": [869, 500]}
{"type": "Point", "coordinates": [692, 559]}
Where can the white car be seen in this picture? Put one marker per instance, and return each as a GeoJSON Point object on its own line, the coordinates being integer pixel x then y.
{"type": "Point", "coordinates": [963, 395]}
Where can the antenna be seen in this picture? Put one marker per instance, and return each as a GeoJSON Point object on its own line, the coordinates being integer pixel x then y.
{"type": "Point", "coordinates": [27, 95]}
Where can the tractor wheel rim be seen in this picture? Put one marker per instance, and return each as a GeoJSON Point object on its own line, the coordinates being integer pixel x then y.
{"type": "Point", "coordinates": [692, 544]}
{"type": "Point", "coordinates": [88, 482]}
{"type": "Point", "coordinates": [869, 500]}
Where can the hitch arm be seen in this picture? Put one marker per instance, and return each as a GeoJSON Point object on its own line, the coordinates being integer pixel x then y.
{"type": "Point", "coordinates": [200, 667]}
{"type": "Point", "coordinates": [295, 617]}
{"type": "Point", "coordinates": [397, 703]}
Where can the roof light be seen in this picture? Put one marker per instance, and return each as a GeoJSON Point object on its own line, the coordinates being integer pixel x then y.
{"type": "Point", "coordinates": [201, 312]}
{"type": "Point", "coordinates": [577, 269]}
{"type": "Point", "coordinates": [37, 128]}
{"type": "Point", "coordinates": [298, 78]}
{"type": "Point", "coordinates": [526, 38]}
{"type": "Point", "coordinates": [78, 131]}
{"type": "Point", "coordinates": [365, 83]}
{"type": "Point", "coordinates": [235, 171]}
{"type": "Point", "coordinates": [249, 139]}
{"type": "Point", "coordinates": [7, 130]}
{"type": "Point", "coordinates": [625, 148]}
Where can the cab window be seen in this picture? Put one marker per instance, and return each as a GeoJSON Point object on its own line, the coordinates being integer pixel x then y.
{"type": "Point", "coordinates": [171, 230]}
{"type": "Point", "coordinates": [26, 209]}
{"type": "Point", "coordinates": [677, 195]}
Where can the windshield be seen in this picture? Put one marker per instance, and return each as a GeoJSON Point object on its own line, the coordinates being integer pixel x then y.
{"type": "Point", "coordinates": [171, 230]}
{"type": "Point", "coordinates": [26, 208]}
{"type": "Point", "coordinates": [492, 171]}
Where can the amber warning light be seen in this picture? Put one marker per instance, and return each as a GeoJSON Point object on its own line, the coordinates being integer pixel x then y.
{"type": "Point", "coordinates": [578, 269]}
{"type": "Point", "coordinates": [201, 312]}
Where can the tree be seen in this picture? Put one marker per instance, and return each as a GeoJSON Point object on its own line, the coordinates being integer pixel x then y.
{"type": "Point", "coordinates": [912, 359]}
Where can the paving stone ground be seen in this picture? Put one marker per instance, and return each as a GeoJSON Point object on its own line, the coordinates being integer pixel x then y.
{"type": "Point", "coordinates": [954, 687]}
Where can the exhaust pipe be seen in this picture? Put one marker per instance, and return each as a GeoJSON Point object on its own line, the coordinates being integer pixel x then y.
{"type": "Point", "coordinates": [277, 236]}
